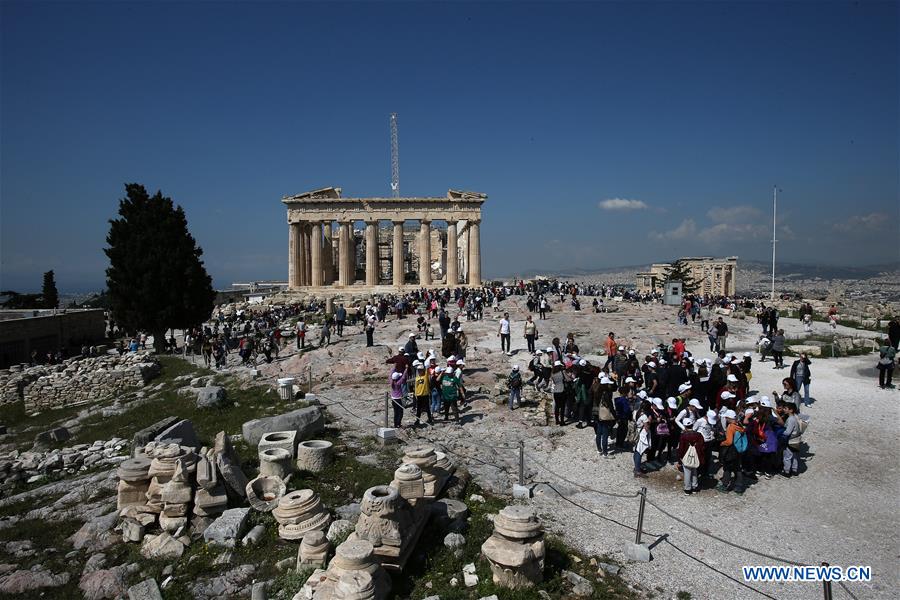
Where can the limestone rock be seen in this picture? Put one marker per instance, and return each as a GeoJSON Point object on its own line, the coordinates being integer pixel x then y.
{"type": "Point", "coordinates": [145, 590]}
{"type": "Point", "coordinates": [228, 528]}
{"type": "Point", "coordinates": [211, 397]}
{"type": "Point", "coordinates": [162, 546]}
{"type": "Point", "coordinates": [305, 421]}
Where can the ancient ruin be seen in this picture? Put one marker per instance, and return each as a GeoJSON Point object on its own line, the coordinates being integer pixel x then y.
{"type": "Point", "coordinates": [712, 276]}
{"type": "Point", "coordinates": [314, 455]}
{"type": "Point", "coordinates": [319, 258]}
{"type": "Point", "coordinates": [515, 550]}
{"type": "Point", "coordinates": [352, 573]}
{"type": "Point", "coordinates": [300, 512]}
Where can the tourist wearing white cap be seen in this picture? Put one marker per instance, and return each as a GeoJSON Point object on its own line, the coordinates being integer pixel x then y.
{"type": "Point", "coordinates": [706, 426]}
{"type": "Point", "coordinates": [514, 382]}
{"type": "Point", "coordinates": [643, 424]}
{"type": "Point", "coordinates": [558, 389]}
{"type": "Point", "coordinates": [451, 390]}
{"type": "Point", "coordinates": [692, 456]}
{"type": "Point", "coordinates": [624, 414]}
{"type": "Point", "coordinates": [730, 455]}
{"type": "Point", "coordinates": [605, 417]}
{"type": "Point", "coordinates": [422, 393]}
{"type": "Point", "coordinates": [398, 392]}
{"type": "Point", "coordinates": [651, 379]}
{"type": "Point", "coordinates": [659, 434]}
{"type": "Point", "coordinates": [692, 409]}
{"type": "Point", "coordinates": [462, 343]}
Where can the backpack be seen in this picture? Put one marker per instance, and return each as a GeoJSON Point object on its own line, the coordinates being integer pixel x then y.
{"type": "Point", "coordinates": [662, 428]}
{"type": "Point", "coordinates": [690, 459]}
{"type": "Point", "coordinates": [740, 442]}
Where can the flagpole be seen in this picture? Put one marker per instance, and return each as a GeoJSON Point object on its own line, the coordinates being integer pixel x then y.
{"type": "Point", "coordinates": [774, 212]}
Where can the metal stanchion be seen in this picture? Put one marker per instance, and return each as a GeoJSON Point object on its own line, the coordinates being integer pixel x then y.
{"type": "Point", "coordinates": [521, 462]}
{"type": "Point", "coordinates": [309, 387]}
{"type": "Point", "coordinates": [387, 408]}
{"type": "Point", "coordinates": [826, 585]}
{"type": "Point", "coordinates": [640, 523]}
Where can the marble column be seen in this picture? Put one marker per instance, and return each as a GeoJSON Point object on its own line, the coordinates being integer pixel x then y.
{"type": "Point", "coordinates": [398, 253]}
{"type": "Point", "coordinates": [307, 247]}
{"type": "Point", "coordinates": [474, 254]}
{"type": "Point", "coordinates": [317, 278]}
{"type": "Point", "coordinates": [328, 253]}
{"type": "Point", "coordinates": [425, 253]}
{"type": "Point", "coordinates": [304, 257]}
{"type": "Point", "coordinates": [372, 253]}
{"type": "Point", "coordinates": [452, 255]}
{"type": "Point", "coordinates": [344, 261]}
{"type": "Point", "coordinates": [293, 255]}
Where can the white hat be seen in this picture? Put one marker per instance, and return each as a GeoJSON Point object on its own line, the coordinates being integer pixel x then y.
{"type": "Point", "coordinates": [662, 361]}
{"type": "Point", "coordinates": [657, 402]}
{"type": "Point", "coordinates": [452, 358]}
{"type": "Point", "coordinates": [651, 364]}
{"type": "Point", "coordinates": [556, 363]}
{"type": "Point", "coordinates": [400, 348]}
{"type": "Point", "coordinates": [730, 414]}
{"type": "Point", "coordinates": [631, 353]}
{"type": "Point", "coordinates": [727, 396]}
{"type": "Point", "coordinates": [421, 356]}
{"type": "Point", "coordinates": [459, 328]}
{"type": "Point", "coordinates": [765, 401]}
{"type": "Point", "coordinates": [416, 363]}
{"type": "Point", "coordinates": [605, 380]}
{"type": "Point", "coordinates": [419, 365]}
{"type": "Point", "coordinates": [549, 348]}
{"type": "Point", "coordinates": [621, 348]}
{"type": "Point", "coordinates": [412, 335]}
{"type": "Point", "coordinates": [726, 360]}
{"type": "Point", "coordinates": [439, 369]}
{"type": "Point", "coordinates": [748, 412]}
{"type": "Point", "coordinates": [538, 351]}
{"type": "Point", "coordinates": [711, 416]}
{"type": "Point", "coordinates": [672, 402]}
{"type": "Point", "coordinates": [747, 354]}
{"type": "Point", "coordinates": [582, 363]}
{"type": "Point", "coordinates": [460, 363]}
{"type": "Point", "coordinates": [654, 351]}
{"type": "Point", "coordinates": [751, 400]}
{"type": "Point", "coordinates": [642, 395]}
{"type": "Point", "coordinates": [684, 387]}
{"type": "Point", "coordinates": [732, 378]}
{"type": "Point", "coordinates": [515, 367]}
{"type": "Point", "coordinates": [395, 375]}
{"type": "Point", "coordinates": [695, 403]}
{"type": "Point", "coordinates": [629, 380]}
{"type": "Point", "coordinates": [688, 421]}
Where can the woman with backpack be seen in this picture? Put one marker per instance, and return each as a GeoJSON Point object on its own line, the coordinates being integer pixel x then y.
{"type": "Point", "coordinates": [691, 455]}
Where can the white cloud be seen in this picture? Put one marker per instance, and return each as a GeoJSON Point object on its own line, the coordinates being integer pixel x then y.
{"type": "Point", "coordinates": [738, 214]}
{"type": "Point", "coordinates": [622, 204]}
{"type": "Point", "coordinates": [857, 223]}
{"type": "Point", "coordinates": [686, 230]}
{"type": "Point", "coordinates": [731, 232]}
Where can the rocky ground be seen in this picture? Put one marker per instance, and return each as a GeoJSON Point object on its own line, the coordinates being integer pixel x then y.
{"type": "Point", "coordinates": [57, 517]}
{"type": "Point", "coordinates": [848, 463]}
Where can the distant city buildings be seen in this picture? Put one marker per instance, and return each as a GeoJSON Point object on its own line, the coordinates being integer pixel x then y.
{"type": "Point", "coordinates": [712, 276]}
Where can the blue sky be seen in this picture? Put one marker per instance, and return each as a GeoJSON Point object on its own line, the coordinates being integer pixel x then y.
{"type": "Point", "coordinates": [683, 115]}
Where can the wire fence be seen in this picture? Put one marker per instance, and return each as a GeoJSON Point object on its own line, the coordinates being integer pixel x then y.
{"type": "Point", "coordinates": [416, 435]}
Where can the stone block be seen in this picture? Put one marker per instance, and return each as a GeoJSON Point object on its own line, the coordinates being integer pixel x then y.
{"type": "Point", "coordinates": [286, 440]}
{"type": "Point", "coordinates": [228, 528]}
{"type": "Point", "coordinates": [182, 432]}
{"type": "Point", "coordinates": [521, 492]}
{"type": "Point", "coordinates": [162, 546]}
{"type": "Point", "coordinates": [212, 396]}
{"type": "Point", "coordinates": [147, 434]}
{"type": "Point", "coordinates": [305, 421]}
{"type": "Point", "coordinates": [145, 590]}
{"type": "Point", "coordinates": [637, 552]}
{"type": "Point", "coordinates": [60, 434]}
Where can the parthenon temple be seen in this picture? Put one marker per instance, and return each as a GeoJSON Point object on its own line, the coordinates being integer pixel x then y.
{"type": "Point", "coordinates": [326, 250]}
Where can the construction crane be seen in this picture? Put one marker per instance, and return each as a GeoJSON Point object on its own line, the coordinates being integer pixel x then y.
{"type": "Point", "coordinates": [395, 158]}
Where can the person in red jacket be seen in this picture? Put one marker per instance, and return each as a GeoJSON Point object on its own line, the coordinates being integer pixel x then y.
{"type": "Point", "coordinates": [691, 439]}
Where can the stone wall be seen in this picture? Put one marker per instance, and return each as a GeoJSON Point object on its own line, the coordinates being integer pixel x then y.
{"type": "Point", "coordinates": [76, 381]}
{"type": "Point", "coordinates": [47, 331]}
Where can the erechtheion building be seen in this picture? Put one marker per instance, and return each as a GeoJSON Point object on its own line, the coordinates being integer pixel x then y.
{"type": "Point", "coordinates": [712, 276]}
{"type": "Point", "coordinates": [326, 250]}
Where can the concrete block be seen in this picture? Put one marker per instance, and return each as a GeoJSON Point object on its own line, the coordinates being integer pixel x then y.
{"type": "Point", "coordinates": [521, 492]}
{"type": "Point", "coordinates": [637, 552]}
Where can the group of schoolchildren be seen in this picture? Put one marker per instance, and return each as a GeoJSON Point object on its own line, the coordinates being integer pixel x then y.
{"type": "Point", "coordinates": [707, 420]}
{"type": "Point", "coordinates": [417, 376]}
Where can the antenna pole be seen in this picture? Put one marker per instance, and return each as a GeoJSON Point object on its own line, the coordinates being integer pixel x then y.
{"type": "Point", "coordinates": [774, 212]}
{"type": "Point", "coordinates": [395, 158]}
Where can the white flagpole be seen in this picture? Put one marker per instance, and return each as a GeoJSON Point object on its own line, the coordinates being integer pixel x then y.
{"type": "Point", "coordinates": [774, 212]}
